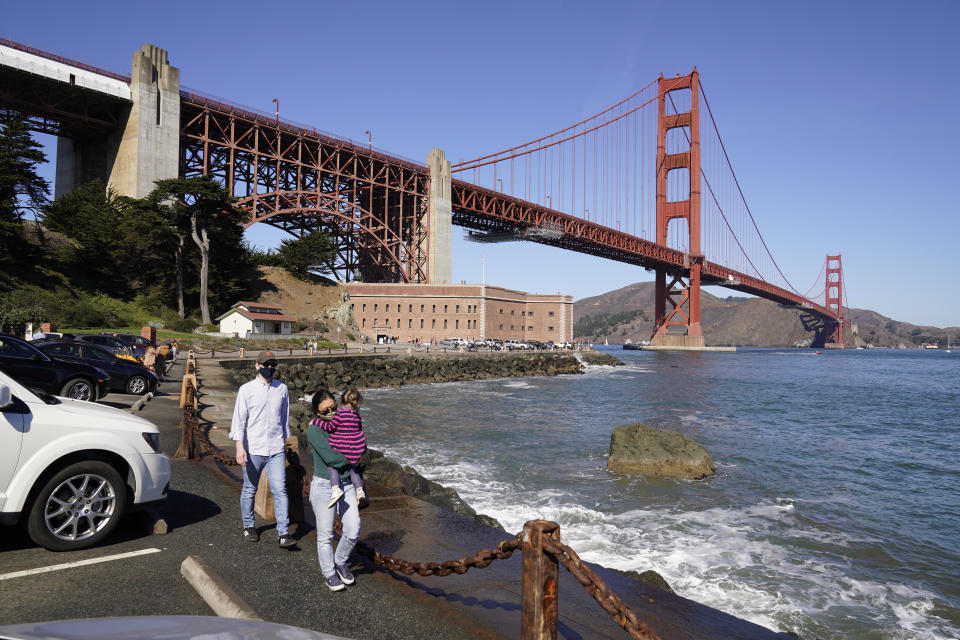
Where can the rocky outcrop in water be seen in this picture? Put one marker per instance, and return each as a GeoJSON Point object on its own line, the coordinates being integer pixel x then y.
{"type": "Point", "coordinates": [595, 358]}
{"type": "Point", "coordinates": [637, 448]}
{"type": "Point", "coordinates": [383, 470]}
{"type": "Point", "coordinates": [649, 577]}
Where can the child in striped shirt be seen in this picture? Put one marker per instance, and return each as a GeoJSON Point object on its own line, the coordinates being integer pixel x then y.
{"type": "Point", "coordinates": [346, 436]}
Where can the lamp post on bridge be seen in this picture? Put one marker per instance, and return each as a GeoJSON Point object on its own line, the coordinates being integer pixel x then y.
{"type": "Point", "coordinates": [500, 180]}
{"type": "Point", "coordinates": [277, 101]}
{"type": "Point", "coordinates": [550, 200]}
{"type": "Point", "coordinates": [369, 141]}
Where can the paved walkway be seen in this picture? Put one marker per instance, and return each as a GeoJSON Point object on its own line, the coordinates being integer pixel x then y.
{"type": "Point", "coordinates": [483, 601]}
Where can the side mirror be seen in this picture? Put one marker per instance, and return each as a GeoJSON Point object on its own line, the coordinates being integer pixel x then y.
{"type": "Point", "coordinates": [5, 398]}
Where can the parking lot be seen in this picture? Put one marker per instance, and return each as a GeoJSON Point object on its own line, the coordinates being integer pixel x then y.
{"type": "Point", "coordinates": [136, 573]}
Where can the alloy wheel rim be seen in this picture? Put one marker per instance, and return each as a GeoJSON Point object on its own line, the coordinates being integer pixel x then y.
{"type": "Point", "coordinates": [80, 507]}
{"type": "Point", "coordinates": [137, 385]}
{"type": "Point", "coordinates": [79, 391]}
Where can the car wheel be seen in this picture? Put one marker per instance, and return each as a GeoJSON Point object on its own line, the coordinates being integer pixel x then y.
{"type": "Point", "coordinates": [78, 507]}
{"type": "Point", "coordinates": [137, 385]}
{"type": "Point", "coordinates": [79, 389]}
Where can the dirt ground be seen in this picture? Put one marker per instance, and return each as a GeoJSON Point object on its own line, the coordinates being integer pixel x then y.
{"type": "Point", "coordinates": [321, 303]}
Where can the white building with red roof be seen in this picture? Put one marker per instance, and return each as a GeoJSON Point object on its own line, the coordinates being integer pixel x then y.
{"type": "Point", "coordinates": [247, 319]}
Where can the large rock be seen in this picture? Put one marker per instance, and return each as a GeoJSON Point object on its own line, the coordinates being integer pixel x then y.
{"type": "Point", "coordinates": [380, 469]}
{"type": "Point", "coordinates": [637, 448]}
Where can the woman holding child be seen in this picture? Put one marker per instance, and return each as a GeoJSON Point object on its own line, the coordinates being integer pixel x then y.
{"type": "Point", "coordinates": [333, 566]}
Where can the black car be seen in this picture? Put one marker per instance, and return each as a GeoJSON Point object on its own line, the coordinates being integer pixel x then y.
{"type": "Point", "coordinates": [125, 376]}
{"type": "Point", "coordinates": [34, 369]}
{"type": "Point", "coordinates": [112, 344]}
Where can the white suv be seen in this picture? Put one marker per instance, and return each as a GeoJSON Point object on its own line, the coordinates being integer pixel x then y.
{"type": "Point", "coordinates": [70, 469]}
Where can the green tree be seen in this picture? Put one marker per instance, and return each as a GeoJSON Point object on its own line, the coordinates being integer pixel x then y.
{"type": "Point", "coordinates": [21, 188]}
{"type": "Point", "coordinates": [120, 246]}
{"type": "Point", "coordinates": [198, 207]}
{"type": "Point", "coordinates": [309, 254]}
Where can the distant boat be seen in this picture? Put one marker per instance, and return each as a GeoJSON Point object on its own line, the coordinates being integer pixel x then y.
{"type": "Point", "coordinates": [948, 344]}
{"type": "Point", "coordinates": [606, 342]}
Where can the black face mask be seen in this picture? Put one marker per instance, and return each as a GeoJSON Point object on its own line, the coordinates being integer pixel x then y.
{"type": "Point", "coordinates": [267, 372]}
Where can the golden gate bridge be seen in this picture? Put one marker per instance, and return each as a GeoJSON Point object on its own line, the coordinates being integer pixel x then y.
{"type": "Point", "coordinates": [647, 181]}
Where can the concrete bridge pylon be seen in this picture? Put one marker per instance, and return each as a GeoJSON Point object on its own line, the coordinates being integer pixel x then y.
{"type": "Point", "coordinates": [440, 211]}
{"type": "Point", "coordinates": [144, 147]}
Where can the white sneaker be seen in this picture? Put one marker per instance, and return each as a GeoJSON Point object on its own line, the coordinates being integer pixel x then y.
{"type": "Point", "coordinates": [361, 494]}
{"type": "Point", "coordinates": [335, 494]}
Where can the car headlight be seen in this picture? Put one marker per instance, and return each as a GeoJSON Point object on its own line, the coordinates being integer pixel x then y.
{"type": "Point", "coordinates": [152, 439]}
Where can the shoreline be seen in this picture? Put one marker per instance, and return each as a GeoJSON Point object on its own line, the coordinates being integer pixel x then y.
{"type": "Point", "coordinates": [672, 613]}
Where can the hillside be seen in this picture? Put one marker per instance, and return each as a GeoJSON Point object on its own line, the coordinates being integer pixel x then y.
{"type": "Point", "coordinates": [742, 321]}
{"type": "Point", "coordinates": [322, 305]}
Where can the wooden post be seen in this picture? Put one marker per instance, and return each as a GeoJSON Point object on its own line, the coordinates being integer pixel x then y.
{"type": "Point", "coordinates": [241, 353]}
{"type": "Point", "coordinates": [212, 353]}
{"type": "Point", "coordinates": [187, 448]}
{"type": "Point", "coordinates": [538, 600]}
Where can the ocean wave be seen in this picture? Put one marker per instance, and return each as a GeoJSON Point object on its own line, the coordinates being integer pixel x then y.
{"type": "Point", "coordinates": [727, 558]}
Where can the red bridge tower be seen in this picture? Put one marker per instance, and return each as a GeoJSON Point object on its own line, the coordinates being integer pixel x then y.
{"type": "Point", "coordinates": [833, 331]}
{"type": "Point", "coordinates": [677, 322]}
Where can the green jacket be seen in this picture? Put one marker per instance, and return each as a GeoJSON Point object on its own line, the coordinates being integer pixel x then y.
{"type": "Point", "coordinates": [324, 455]}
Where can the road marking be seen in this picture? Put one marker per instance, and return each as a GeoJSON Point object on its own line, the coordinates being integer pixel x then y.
{"type": "Point", "coordinates": [78, 563]}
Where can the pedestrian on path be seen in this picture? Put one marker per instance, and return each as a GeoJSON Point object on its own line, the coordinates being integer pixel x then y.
{"type": "Point", "coordinates": [333, 566]}
{"type": "Point", "coordinates": [260, 426]}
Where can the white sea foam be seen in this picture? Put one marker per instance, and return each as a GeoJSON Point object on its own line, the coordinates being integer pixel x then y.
{"type": "Point", "coordinates": [722, 557]}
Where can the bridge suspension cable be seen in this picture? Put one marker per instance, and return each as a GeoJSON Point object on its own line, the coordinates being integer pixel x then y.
{"type": "Point", "coordinates": [598, 169]}
{"type": "Point", "coordinates": [736, 182]}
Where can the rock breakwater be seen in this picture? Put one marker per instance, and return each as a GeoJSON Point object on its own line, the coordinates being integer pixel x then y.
{"type": "Point", "coordinates": [304, 376]}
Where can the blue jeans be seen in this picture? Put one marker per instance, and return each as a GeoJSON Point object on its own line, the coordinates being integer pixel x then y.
{"type": "Point", "coordinates": [349, 514]}
{"type": "Point", "coordinates": [277, 476]}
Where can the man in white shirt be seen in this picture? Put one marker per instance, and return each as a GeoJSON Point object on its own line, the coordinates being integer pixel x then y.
{"type": "Point", "coordinates": [261, 418]}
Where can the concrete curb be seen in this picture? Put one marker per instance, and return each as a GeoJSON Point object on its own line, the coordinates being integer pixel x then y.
{"type": "Point", "coordinates": [138, 405]}
{"type": "Point", "coordinates": [215, 592]}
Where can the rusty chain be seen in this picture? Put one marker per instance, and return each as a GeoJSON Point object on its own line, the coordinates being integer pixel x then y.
{"type": "Point", "coordinates": [596, 587]}
{"type": "Point", "coordinates": [565, 555]}
{"type": "Point", "coordinates": [190, 417]}
{"type": "Point", "coordinates": [479, 560]}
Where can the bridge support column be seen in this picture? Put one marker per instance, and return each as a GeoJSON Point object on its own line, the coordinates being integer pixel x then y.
{"type": "Point", "coordinates": [440, 212]}
{"type": "Point", "coordinates": [677, 316]}
{"type": "Point", "coordinates": [149, 146]}
{"type": "Point", "coordinates": [833, 331]}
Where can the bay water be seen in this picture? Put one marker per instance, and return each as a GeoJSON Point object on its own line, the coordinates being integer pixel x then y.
{"type": "Point", "coordinates": [834, 514]}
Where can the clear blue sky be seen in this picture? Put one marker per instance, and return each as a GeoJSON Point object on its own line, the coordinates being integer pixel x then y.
{"type": "Point", "coordinates": [840, 117]}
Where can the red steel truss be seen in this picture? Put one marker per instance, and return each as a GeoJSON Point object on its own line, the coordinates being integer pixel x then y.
{"type": "Point", "coordinates": [297, 180]}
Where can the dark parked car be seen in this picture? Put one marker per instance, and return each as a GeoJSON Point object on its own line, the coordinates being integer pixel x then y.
{"type": "Point", "coordinates": [125, 376]}
{"type": "Point", "coordinates": [112, 344]}
{"type": "Point", "coordinates": [36, 370]}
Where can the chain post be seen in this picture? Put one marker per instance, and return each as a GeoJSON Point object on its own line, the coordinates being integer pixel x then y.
{"type": "Point", "coordinates": [538, 600]}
